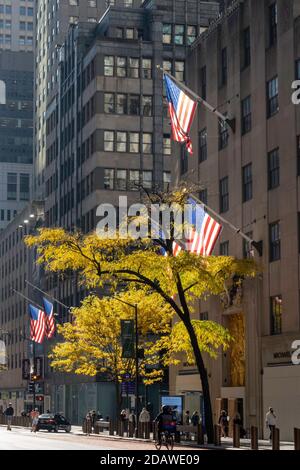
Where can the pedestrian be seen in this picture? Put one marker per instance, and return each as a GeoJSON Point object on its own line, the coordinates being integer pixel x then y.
{"type": "Point", "coordinates": [131, 418]}
{"type": "Point", "coordinates": [123, 415]}
{"type": "Point", "coordinates": [94, 419]}
{"type": "Point", "coordinates": [237, 420]}
{"type": "Point", "coordinates": [9, 412]}
{"type": "Point", "coordinates": [195, 419]}
{"type": "Point", "coordinates": [88, 423]}
{"type": "Point", "coordinates": [223, 421]}
{"type": "Point", "coordinates": [271, 421]}
{"type": "Point", "coordinates": [34, 419]}
{"type": "Point", "coordinates": [187, 422]}
{"type": "Point", "coordinates": [144, 416]}
{"type": "Point", "coordinates": [99, 415]}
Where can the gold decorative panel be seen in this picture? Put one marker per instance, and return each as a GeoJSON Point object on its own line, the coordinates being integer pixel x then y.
{"type": "Point", "coordinates": [236, 326]}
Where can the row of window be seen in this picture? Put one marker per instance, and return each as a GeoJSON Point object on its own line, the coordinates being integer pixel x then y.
{"type": "Point", "coordinates": [90, 3]}
{"type": "Point", "coordinates": [130, 180]}
{"type": "Point", "coordinates": [11, 241]}
{"type": "Point", "coordinates": [121, 103]}
{"type": "Point", "coordinates": [26, 26]}
{"type": "Point", "coordinates": [130, 142]}
{"type": "Point", "coordinates": [12, 186]}
{"type": "Point", "coordinates": [131, 67]}
{"type": "Point", "coordinates": [179, 34]}
{"type": "Point", "coordinates": [7, 214]}
{"type": "Point", "coordinates": [26, 11]}
{"type": "Point", "coordinates": [25, 41]}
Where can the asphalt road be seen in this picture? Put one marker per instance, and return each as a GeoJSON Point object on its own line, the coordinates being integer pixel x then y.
{"type": "Point", "coordinates": [23, 439]}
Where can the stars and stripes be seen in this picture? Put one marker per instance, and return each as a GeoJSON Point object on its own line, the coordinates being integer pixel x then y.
{"type": "Point", "coordinates": [37, 324]}
{"type": "Point", "coordinates": [49, 317]}
{"type": "Point", "coordinates": [205, 231]}
{"type": "Point", "coordinates": [182, 110]}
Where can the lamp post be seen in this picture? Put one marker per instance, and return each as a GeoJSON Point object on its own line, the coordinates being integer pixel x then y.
{"type": "Point", "coordinates": [136, 360]}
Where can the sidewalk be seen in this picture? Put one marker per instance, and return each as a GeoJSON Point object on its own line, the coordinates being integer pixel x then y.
{"type": "Point", "coordinates": [225, 445]}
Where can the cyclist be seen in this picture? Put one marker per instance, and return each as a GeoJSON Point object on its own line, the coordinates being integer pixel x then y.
{"type": "Point", "coordinates": [165, 422]}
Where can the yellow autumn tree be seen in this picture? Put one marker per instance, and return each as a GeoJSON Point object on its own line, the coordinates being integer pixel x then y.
{"type": "Point", "coordinates": [138, 267]}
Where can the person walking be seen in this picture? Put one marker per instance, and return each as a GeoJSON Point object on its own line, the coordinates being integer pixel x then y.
{"type": "Point", "coordinates": [195, 419]}
{"type": "Point", "coordinates": [88, 423]}
{"type": "Point", "coordinates": [271, 419]}
{"type": "Point", "coordinates": [223, 421]}
{"type": "Point", "coordinates": [34, 419]}
{"type": "Point", "coordinates": [144, 419]}
{"type": "Point", "coordinates": [9, 412]}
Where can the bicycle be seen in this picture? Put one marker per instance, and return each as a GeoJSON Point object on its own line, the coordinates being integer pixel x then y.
{"type": "Point", "coordinates": [166, 439]}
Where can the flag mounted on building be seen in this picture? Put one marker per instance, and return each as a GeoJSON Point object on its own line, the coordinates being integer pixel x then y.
{"type": "Point", "coordinates": [204, 231]}
{"type": "Point", "coordinates": [37, 324]}
{"type": "Point", "coordinates": [49, 318]}
{"type": "Point", "coordinates": [182, 111]}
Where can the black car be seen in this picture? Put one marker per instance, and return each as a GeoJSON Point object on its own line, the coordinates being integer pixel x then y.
{"type": "Point", "coordinates": [53, 422]}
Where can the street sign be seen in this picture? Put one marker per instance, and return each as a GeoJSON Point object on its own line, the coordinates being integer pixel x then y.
{"type": "Point", "coordinates": [31, 387]}
{"type": "Point", "coordinates": [128, 388]}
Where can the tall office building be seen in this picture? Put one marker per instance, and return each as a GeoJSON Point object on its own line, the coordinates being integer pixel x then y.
{"type": "Point", "coordinates": [17, 25]}
{"type": "Point", "coordinates": [244, 65]}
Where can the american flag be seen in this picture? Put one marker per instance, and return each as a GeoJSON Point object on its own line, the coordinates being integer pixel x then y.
{"type": "Point", "coordinates": [37, 324]}
{"type": "Point", "coordinates": [182, 110]}
{"type": "Point", "coordinates": [204, 232]}
{"type": "Point", "coordinates": [50, 323]}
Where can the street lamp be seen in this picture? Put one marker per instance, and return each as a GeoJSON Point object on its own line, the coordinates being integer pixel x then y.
{"type": "Point", "coordinates": [136, 360]}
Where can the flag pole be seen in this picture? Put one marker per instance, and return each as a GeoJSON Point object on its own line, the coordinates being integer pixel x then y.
{"type": "Point", "coordinates": [45, 293]}
{"type": "Point", "coordinates": [231, 122]}
{"type": "Point", "coordinates": [257, 245]}
{"type": "Point", "coordinates": [27, 298]}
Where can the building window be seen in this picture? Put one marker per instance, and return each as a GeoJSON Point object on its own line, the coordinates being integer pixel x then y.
{"type": "Point", "coordinates": [30, 11]}
{"type": "Point", "coordinates": [276, 315]}
{"type": "Point", "coordinates": [273, 169]}
{"type": "Point", "coordinates": [108, 178]}
{"type": "Point", "coordinates": [134, 67]}
{"type": "Point", "coordinates": [203, 196]}
{"type": "Point", "coordinates": [134, 142]}
{"type": "Point", "coordinates": [121, 104]}
{"type": "Point", "coordinates": [272, 97]}
{"type": "Point", "coordinates": [224, 248]}
{"type": "Point", "coordinates": [147, 106]}
{"type": "Point", "coordinates": [247, 47]}
{"type": "Point", "coordinates": [22, 40]}
{"type": "Point", "coordinates": [167, 144]}
{"type": "Point", "coordinates": [246, 115]}
{"type": "Point", "coordinates": [92, 3]}
{"type": "Point", "coordinates": [179, 70]}
{"type": "Point", "coordinates": [166, 180]}
{"type": "Point", "coordinates": [191, 34]}
{"type": "Point", "coordinates": [202, 145]}
{"type": "Point", "coordinates": [224, 195]}
{"type": "Point", "coordinates": [247, 247]}
{"type": "Point", "coordinates": [121, 141]}
{"type": "Point", "coordinates": [273, 23]}
{"type": "Point", "coordinates": [109, 66]}
{"type": "Point", "coordinates": [203, 82]}
{"type": "Point", "coordinates": [147, 143]}
{"type": "Point", "coordinates": [109, 107]}
{"type": "Point", "coordinates": [179, 34]}
{"type": "Point", "coordinates": [134, 180]}
{"type": "Point", "coordinates": [128, 3]}
{"type": "Point", "coordinates": [109, 141]}
{"type": "Point", "coordinates": [121, 180]}
{"type": "Point", "coordinates": [73, 19]}
{"type": "Point", "coordinates": [119, 33]}
{"type": "Point", "coordinates": [22, 11]}
{"type": "Point", "coordinates": [167, 33]}
{"type": "Point", "coordinates": [247, 182]}
{"type": "Point", "coordinates": [30, 26]}
{"type": "Point", "coordinates": [203, 316]}
{"type": "Point", "coordinates": [129, 33]}
{"type": "Point", "coordinates": [134, 104]}
{"type": "Point", "coordinates": [22, 25]}
{"type": "Point", "coordinates": [11, 186]}
{"type": "Point", "coordinates": [274, 237]}
{"type": "Point", "coordinates": [147, 68]}
{"type": "Point", "coordinates": [121, 66]}
{"type": "Point", "coordinates": [224, 66]}
{"type": "Point", "coordinates": [147, 179]}
{"type": "Point", "coordinates": [24, 187]}
{"type": "Point", "coordinates": [74, 3]}
{"type": "Point", "coordinates": [223, 134]}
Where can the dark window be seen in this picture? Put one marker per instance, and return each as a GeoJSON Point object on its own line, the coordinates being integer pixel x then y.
{"type": "Point", "coordinates": [247, 182]}
{"type": "Point", "coordinates": [11, 186]}
{"type": "Point", "coordinates": [276, 315]}
{"type": "Point", "coordinates": [183, 160]}
{"type": "Point", "coordinates": [203, 83]}
{"type": "Point", "coordinates": [273, 23]}
{"type": "Point", "coordinates": [24, 187]}
{"type": "Point", "coordinates": [223, 134]}
{"type": "Point", "coordinates": [203, 316]}
{"type": "Point", "coordinates": [134, 104]}
{"type": "Point", "coordinates": [202, 145]}
{"type": "Point", "coordinates": [272, 97]}
{"type": "Point", "coordinates": [274, 237]}
{"type": "Point", "coordinates": [224, 66]}
{"type": "Point", "coordinates": [203, 196]}
{"type": "Point", "coordinates": [273, 169]}
{"type": "Point", "coordinates": [224, 248]}
{"type": "Point", "coordinates": [224, 195]}
{"type": "Point", "coordinates": [247, 47]}
{"type": "Point", "coordinates": [246, 115]}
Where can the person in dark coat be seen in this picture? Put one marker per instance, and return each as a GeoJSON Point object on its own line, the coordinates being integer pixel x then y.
{"type": "Point", "coordinates": [9, 412]}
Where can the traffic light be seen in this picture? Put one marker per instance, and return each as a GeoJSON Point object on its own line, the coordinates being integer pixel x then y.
{"type": "Point", "coordinates": [33, 377]}
{"type": "Point", "coordinates": [31, 387]}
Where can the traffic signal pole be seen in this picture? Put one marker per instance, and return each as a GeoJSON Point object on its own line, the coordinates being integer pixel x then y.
{"type": "Point", "coordinates": [34, 373]}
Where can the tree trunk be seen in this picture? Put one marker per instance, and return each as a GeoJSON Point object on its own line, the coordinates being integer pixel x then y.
{"type": "Point", "coordinates": [204, 381]}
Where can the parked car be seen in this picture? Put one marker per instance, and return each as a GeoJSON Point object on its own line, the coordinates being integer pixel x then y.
{"type": "Point", "coordinates": [53, 422]}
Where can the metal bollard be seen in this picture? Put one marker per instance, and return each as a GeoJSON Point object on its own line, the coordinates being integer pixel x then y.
{"type": "Point", "coordinates": [236, 435]}
{"type": "Point", "coordinates": [217, 435]}
{"type": "Point", "coordinates": [297, 438]}
{"type": "Point", "coordinates": [111, 428]}
{"type": "Point", "coordinates": [254, 438]}
{"type": "Point", "coordinates": [275, 439]}
{"type": "Point", "coordinates": [200, 435]}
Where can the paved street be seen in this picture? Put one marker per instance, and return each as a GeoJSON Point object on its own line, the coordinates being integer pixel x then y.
{"type": "Point", "coordinates": [23, 439]}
